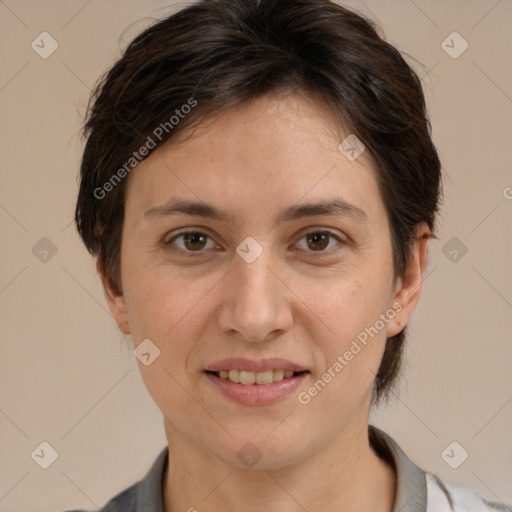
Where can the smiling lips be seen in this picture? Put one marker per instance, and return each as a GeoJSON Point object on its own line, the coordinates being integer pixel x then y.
{"type": "Point", "coordinates": [258, 382]}
{"type": "Point", "coordinates": [247, 377]}
{"type": "Point", "coordinates": [260, 365]}
{"type": "Point", "coordinates": [254, 394]}
{"type": "Point", "coordinates": [247, 371]}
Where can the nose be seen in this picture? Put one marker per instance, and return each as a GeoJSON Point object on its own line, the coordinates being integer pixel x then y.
{"type": "Point", "coordinates": [255, 303]}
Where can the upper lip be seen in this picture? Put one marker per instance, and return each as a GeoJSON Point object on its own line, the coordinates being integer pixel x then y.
{"type": "Point", "coordinates": [261, 365]}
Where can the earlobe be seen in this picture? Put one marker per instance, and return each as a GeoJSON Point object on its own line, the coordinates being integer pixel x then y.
{"type": "Point", "coordinates": [408, 287]}
{"type": "Point", "coordinates": [116, 302]}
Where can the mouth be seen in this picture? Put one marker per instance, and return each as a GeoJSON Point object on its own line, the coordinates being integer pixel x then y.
{"type": "Point", "coordinates": [262, 378]}
{"type": "Point", "coordinates": [261, 388]}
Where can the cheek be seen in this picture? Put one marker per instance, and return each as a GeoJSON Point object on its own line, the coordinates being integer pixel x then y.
{"type": "Point", "coordinates": [169, 308]}
{"type": "Point", "coordinates": [352, 311]}
{"type": "Point", "coordinates": [151, 291]}
{"type": "Point", "coordinates": [350, 303]}
{"type": "Point", "coordinates": [164, 309]}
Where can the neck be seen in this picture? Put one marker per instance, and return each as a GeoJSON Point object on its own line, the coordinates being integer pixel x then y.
{"type": "Point", "coordinates": [345, 476]}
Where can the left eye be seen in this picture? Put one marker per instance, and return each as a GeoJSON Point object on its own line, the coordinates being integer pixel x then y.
{"type": "Point", "coordinates": [319, 240]}
{"type": "Point", "coordinates": [195, 241]}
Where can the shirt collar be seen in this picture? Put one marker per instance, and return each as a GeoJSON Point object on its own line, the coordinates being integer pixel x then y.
{"type": "Point", "coordinates": [411, 482]}
{"type": "Point", "coordinates": [149, 496]}
{"type": "Point", "coordinates": [411, 491]}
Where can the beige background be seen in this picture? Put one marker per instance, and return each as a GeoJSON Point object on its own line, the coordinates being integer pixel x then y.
{"type": "Point", "coordinates": [67, 376]}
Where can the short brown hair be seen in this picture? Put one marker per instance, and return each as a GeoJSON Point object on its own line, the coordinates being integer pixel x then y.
{"type": "Point", "coordinates": [221, 53]}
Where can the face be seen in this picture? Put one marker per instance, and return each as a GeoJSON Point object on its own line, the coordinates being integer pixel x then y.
{"type": "Point", "coordinates": [263, 278]}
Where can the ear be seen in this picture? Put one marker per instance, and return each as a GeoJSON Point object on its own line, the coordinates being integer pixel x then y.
{"type": "Point", "coordinates": [116, 302]}
{"type": "Point", "coordinates": [407, 288]}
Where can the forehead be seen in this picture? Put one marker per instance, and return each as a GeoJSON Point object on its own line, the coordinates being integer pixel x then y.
{"type": "Point", "coordinates": [270, 150]}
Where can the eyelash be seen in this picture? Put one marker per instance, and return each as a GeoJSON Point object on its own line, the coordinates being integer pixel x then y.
{"type": "Point", "coordinates": [168, 243]}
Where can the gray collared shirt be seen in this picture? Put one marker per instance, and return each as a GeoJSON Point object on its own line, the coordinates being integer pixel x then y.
{"type": "Point", "coordinates": [417, 490]}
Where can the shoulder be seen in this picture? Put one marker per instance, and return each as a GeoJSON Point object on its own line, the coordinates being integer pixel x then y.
{"type": "Point", "coordinates": [423, 491]}
{"type": "Point", "coordinates": [442, 495]}
{"type": "Point", "coordinates": [142, 496]}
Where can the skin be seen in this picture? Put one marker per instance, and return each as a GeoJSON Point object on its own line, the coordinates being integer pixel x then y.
{"type": "Point", "coordinates": [294, 301]}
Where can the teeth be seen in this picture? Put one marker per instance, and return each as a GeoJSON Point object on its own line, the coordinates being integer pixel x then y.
{"type": "Point", "coordinates": [280, 374]}
{"type": "Point", "coordinates": [234, 375]}
{"type": "Point", "coordinates": [246, 377]}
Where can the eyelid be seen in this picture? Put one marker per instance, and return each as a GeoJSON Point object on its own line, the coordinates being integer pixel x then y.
{"type": "Point", "coordinates": [340, 235]}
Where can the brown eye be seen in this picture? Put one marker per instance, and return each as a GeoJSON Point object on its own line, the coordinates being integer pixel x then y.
{"type": "Point", "coordinates": [320, 241]}
{"type": "Point", "coordinates": [193, 241]}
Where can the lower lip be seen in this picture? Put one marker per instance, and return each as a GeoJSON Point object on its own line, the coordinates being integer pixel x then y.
{"type": "Point", "coordinates": [257, 394]}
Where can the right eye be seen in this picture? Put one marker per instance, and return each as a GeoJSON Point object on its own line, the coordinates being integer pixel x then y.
{"type": "Point", "coordinates": [192, 241]}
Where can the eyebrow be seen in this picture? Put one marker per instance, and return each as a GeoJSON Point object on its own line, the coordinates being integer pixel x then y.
{"type": "Point", "coordinates": [336, 206]}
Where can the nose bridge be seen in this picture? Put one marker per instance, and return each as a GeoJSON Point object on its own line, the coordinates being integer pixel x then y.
{"type": "Point", "coordinates": [254, 281]}
{"type": "Point", "coordinates": [255, 304]}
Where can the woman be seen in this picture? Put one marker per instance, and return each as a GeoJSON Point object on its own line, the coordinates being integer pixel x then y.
{"type": "Point", "coordinates": [259, 186]}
